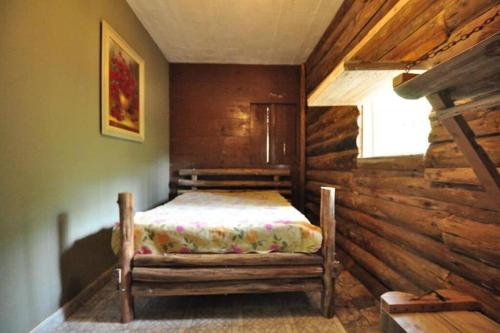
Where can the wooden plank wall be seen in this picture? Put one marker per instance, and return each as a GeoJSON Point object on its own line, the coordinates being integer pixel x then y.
{"type": "Point", "coordinates": [210, 123]}
{"type": "Point", "coordinates": [412, 223]}
{"type": "Point", "coordinates": [210, 110]}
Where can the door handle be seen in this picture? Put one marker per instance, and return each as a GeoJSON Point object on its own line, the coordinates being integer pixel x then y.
{"type": "Point", "coordinates": [284, 149]}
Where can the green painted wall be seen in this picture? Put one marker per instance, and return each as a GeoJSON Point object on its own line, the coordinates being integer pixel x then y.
{"type": "Point", "coordinates": [59, 176]}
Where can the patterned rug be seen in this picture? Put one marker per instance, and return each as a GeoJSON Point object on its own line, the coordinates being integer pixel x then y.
{"type": "Point", "coordinates": [356, 311]}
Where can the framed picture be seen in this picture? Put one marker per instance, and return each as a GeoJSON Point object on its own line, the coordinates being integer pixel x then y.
{"type": "Point", "coordinates": [122, 90]}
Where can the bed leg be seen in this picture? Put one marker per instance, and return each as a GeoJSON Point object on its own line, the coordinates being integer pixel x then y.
{"type": "Point", "coordinates": [126, 255]}
{"type": "Point", "coordinates": [327, 222]}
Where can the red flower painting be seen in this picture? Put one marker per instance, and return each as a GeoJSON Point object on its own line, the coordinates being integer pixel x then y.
{"type": "Point", "coordinates": [123, 75]}
{"type": "Point", "coordinates": [123, 92]}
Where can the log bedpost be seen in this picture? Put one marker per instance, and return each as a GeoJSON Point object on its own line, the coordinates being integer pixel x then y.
{"type": "Point", "coordinates": [126, 255]}
{"type": "Point", "coordinates": [327, 222]}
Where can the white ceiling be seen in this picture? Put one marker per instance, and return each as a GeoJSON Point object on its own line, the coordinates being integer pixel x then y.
{"type": "Point", "coordinates": [236, 31]}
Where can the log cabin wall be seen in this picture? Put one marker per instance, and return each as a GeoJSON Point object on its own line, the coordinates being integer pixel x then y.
{"type": "Point", "coordinates": [211, 112]}
{"type": "Point", "coordinates": [331, 151]}
{"type": "Point", "coordinates": [412, 223]}
{"type": "Point", "coordinates": [418, 27]}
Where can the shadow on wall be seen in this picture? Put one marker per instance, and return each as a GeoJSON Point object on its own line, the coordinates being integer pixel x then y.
{"type": "Point", "coordinates": [84, 261]}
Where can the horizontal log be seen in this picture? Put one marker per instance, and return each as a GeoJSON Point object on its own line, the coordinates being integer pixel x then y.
{"type": "Point", "coordinates": [383, 173]}
{"type": "Point", "coordinates": [422, 272]}
{"type": "Point", "coordinates": [462, 196]}
{"type": "Point", "coordinates": [236, 171]}
{"type": "Point", "coordinates": [434, 32]}
{"type": "Point", "coordinates": [233, 183]}
{"type": "Point", "coordinates": [489, 101]}
{"type": "Point", "coordinates": [373, 285]}
{"type": "Point", "coordinates": [343, 178]}
{"type": "Point", "coordinates": [279, 190]}
{"type": "Point", "coordinates": [362, 19]}
{"type": "Point", "coordinates": [336, 27]}
{"type": "Point", "coordinates": [360, 65]}
{"type": "Point", "coordinates": [407, 163]}
{"type": "Point", "coordinates": [229, 259]}
{"type": "Point", "coordinates": [473, 40]}
{"type": "Point", "coordinates": [313, 113]}
{"type": "Point", "coordinates": [342, 141]}
{"type": "Point", "coordinates": [339, 160]}
{"type": "Point", "coordinates": [426, 247]}
{"type": "Point", "coordinates": [413, 218]}
{"type": "Point", "coordinates": [476, 240]}
{"type": "Point", "coordinates": [346, 198]}
{"type": "Point", "coordinates": [480, 215]}
{"type": "Point", "coordinates": [314, 188]}
{"type": "Point", "coordinates": [335, 114]}
{"type": "Point", "coordinates": [331, 130]}
{"type": "Point", "coordinates": [385, 274]}
{"type": "Point", "coordinates": [452, 175]}
{"type": "Point", "coordinates": [331, 138]}
{"type": "Point", "coordinates": [224, 274]}
{"type": "Point", "coordinates": [415, 15]}
{"type": "Point", "coordinates": [441, 155]}
{"type": "Point", "coordinates": [329, 114]}
{"type": "Point", "coordinates": [225, 287]}
{"type": "Point", "coordinates": [470, 115]}
{"type": "Point", "coordinates": [475, 155]}
{"type": "Point", "coordinates": [441, 19]}
{"type": "Point", "coordinates": [418, 186]}
{"type": "Point", "coordinates": [483, 123]}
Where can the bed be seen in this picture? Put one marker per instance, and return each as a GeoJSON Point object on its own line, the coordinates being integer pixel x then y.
{"type": "Point", "coordinates": [230, 232]}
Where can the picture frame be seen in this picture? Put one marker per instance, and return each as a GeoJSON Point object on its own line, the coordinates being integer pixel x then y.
{"type": "Point", "coordinates": [122, 87]}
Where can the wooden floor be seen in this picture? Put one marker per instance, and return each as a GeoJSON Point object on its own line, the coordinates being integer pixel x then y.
{"type": "Point", "coordinates": [357, 311]}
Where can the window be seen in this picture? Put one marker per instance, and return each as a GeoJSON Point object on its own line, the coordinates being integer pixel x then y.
{"type": "Point", "coordinates": [391, 125]}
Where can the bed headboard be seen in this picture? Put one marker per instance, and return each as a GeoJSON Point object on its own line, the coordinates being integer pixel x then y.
{"type": "Point", "coordinates": [235, 178]}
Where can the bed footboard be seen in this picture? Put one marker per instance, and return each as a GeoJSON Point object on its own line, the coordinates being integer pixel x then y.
{"type": "Point", "coordinates": [327, 223]}
{"type": "Point", "coordinates": [205, 274]}
{"type": "Point", "coordinates": [126, 256]}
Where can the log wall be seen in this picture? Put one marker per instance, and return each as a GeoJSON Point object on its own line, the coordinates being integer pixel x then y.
{"type": "Point", "coordinates": [412, 223]}
{"type": "Point", "coordinates": [418, 27]}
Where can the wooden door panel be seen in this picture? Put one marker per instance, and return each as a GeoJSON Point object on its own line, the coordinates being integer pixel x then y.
{"type": "Point", "coordinates": [258, 134]}
{"type": "Point", "coordinates": [282, 130]}
{"type": "Point", "coordinates": [284, 140]}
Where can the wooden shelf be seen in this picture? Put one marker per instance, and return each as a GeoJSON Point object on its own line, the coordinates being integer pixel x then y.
{"type": "Point", "coordinates": [473, 73]}
{"type": "Point", "coordinates": [350, 82]}
{"type": "Point", "coordinates": [469, 81]}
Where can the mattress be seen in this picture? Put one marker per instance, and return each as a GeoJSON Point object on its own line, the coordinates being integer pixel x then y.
{"type": "Point", "coordinates": [223, 222]}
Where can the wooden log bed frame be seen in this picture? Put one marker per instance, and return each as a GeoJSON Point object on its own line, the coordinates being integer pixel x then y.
{"type": "Point", "coordinates": [176, 274]}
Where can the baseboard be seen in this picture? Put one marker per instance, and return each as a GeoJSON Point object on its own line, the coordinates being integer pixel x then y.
{"type": "Point", "coordinates": [76, 302]}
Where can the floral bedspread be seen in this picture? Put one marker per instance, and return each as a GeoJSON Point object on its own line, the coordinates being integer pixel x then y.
{"type": "Point", "coordinates": [223, 222]}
